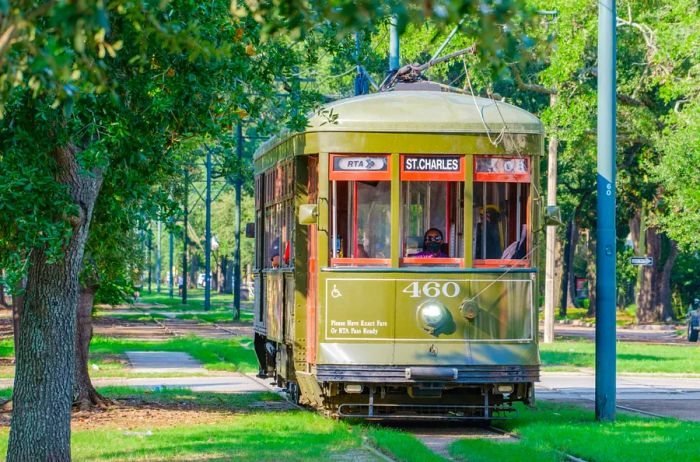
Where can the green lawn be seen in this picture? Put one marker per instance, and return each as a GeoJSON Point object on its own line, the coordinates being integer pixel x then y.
{"type": "Point", "coordinates": [195, 301]}
{"type": "Point", "coordinates": [234, 354]}
{"type": "Point", "coordinates": [552, 428]}
{"type": "Point", "coordinates": [631, 357]}
{"type": "Point", "coordinates": [219, 355]}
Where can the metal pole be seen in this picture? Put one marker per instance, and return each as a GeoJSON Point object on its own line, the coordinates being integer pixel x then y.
{"type": "Point", "coordinates": [150, 259]}
{"type": "Point", "coordinates": [237, 229]}
{"type": "Point", "coordinates": [448, 39]}
{"type": "Point", "coordinates": [185, 240]}
{"type": "Point", "coordinates": [207, 237]}
{"type": "Point", "coordinates": [158, 258]}
{"type": "Point", "coordinates": [171, 245]}
{"type": "Point", "coordinates": [360, 80]}
{"type": "Point", "coordinates": [394, 51]}
{"type": "Point", "coordinates": [605, 247]}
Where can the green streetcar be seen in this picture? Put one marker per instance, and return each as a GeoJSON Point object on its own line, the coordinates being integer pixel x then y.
{"type": "Point", "coordinates": [396, 258]}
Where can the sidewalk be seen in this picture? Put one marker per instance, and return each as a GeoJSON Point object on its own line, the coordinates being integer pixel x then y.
{"type": "Point", "coordinates": [671, 396]}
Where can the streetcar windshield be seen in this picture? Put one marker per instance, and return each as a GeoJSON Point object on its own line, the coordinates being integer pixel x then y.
{"type": "Point", "coordinates": [432, 222]}
{"type": "Point", "coordinates": [500, 198]}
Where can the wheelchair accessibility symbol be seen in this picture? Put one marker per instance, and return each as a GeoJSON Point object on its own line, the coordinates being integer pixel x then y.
{"type": "Point", "coordinates": [335, 293]}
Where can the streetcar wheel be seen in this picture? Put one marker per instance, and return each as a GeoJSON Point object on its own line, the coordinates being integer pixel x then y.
{"type": "Point", "coordinates": [692, 333]}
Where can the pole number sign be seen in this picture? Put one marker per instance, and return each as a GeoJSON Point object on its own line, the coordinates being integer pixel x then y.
{"type": "Point", "coordinates": [432, 167]}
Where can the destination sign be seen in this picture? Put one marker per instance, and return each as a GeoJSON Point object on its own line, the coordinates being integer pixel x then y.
{"type": "Point", "coordinates": [431, 168]}
{"type": "Point", "coordinates": [493, 168]}
{"type": "Point", "coordinates": [360, 164]}
{"type": "Point", "coordinates": [431, 164]}
{"type": "Point", "coordinates": [501, 165]}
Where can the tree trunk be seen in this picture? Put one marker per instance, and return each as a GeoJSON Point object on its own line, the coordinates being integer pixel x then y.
{"type": "Point", "coordinates": [43, 387]}
{"type": "Point", "coordinates": [84, 394]}
{"type": "Point", "coordinates": [654, 296]}
{"type": "Point", "coordinates": [17, 303]}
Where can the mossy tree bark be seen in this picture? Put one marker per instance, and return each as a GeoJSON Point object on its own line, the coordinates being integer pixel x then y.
{"type": "Point", "coordinates": [43, 387]}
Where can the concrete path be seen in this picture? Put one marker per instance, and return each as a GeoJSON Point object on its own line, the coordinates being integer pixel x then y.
{"type": "Point", "coordinates": [646, 334]}
{"type": "Point", "coordinates": [233, 383]}
{"type": "Point", "coordinates": [155, 362]}
{"type": "Point", "coordinates": [672, 396]}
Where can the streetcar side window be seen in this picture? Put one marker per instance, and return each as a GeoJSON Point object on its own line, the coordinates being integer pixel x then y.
{"type": "Point", "coordinates": [278, 216]}
{"type": "Point", "coordinates": [501, 235]}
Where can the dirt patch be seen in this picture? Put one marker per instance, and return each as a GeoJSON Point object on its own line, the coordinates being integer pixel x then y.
{"type": "Point", "coordinates": [134, 413]}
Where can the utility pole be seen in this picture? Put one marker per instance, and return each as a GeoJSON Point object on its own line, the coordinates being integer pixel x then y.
{"type": "Point", "coordinates": [207, 236]}
{"type": "Point", "coordinates": [237, 229]}
{"type": "Point", "coordinates": [605, 387]}
{"type": "Point", "coordinates": [551, 238]}
{"type": "Point", "coordinates": [185, 240]}
{"type": "Point", "coordinates": [171, 248]}
{"type": "Point", "coordinates": [158, 258]}
{"type": "Point", "coordinates": [150, 259]}
{"type": "Point", "coordinates": [394, 46]}
{"type": "Point", "coordinates": [360, 79]}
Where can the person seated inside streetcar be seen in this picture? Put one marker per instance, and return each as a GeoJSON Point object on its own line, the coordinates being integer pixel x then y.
{"type": "Point", "coordinates": [432, 245]}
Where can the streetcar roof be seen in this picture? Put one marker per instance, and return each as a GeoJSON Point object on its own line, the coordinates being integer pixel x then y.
{"type": "Point", "coordinates": [424, 111]}
{"type": "Point", "coordinates": [411, 111]}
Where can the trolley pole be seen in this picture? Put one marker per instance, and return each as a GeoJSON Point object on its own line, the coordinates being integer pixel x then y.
{"type": "Point", "coordinates": [237, 229]}
{"type": "Point", "coordinates": [394, 46]}
{"type": "Point", "coordinates": [158, 257]}
{"type": "Point", "coordinates": [171, 249]}
{"type": "Point", "coordinates": [207, 237]}
{"type": "Point", "coordinates": [185, 240]}
{"type": "Point", "coordinates": [605, 387]}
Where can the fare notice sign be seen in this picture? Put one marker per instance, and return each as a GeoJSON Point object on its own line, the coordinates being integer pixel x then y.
{"type": "Point", "coordinates": [642, 261]}
{"type": "Point", "coordinates": [432, 167]}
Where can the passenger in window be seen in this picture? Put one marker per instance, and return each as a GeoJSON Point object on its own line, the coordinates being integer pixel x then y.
{"type": "Point", "coordinates": [516, 250]}
{"type": "Point", "coordinates": [275, 253]}
{"type": "Point", "coordinates": [493, 235]}
{"type": "Point", "coordinates": [432, 245]}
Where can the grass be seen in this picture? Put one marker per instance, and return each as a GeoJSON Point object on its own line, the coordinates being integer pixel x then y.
{"type": "Point", "coordinates": [554, 428]}
{"type": "Point", "coordinates": [234, 354]}
{"type": "Point", "coordinates": [402, 446]}
{"type": "Point", "coordinates": [624, 317]}
{"type": "Point", "coordinates": [292, 436]}
{"type": "Point", "coordinates": [219, 355]}
{"type": "Point", "coordinates": [631, 357]}
{"type": "Point", "coordinates": [246, 316]}
{"type": "Point", "coordinates": [195, 301]}
{"type": "Point", "coordinates": [180, 396]}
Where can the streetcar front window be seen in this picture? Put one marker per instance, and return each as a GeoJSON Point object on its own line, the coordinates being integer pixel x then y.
{"type": "Point", "coordinates": [361, 223]}
{"type": "Point", "coordinates": [432, 217]}
{"type": "Point", "coordinates": [500, 214]}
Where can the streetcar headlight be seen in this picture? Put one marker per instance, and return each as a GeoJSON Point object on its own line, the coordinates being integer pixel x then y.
{"type": "Point", "coordinates": [432, 315]}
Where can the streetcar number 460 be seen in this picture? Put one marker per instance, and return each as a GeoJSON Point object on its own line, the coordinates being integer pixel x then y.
{"type": "Point", "coordinates": [432, 289]}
